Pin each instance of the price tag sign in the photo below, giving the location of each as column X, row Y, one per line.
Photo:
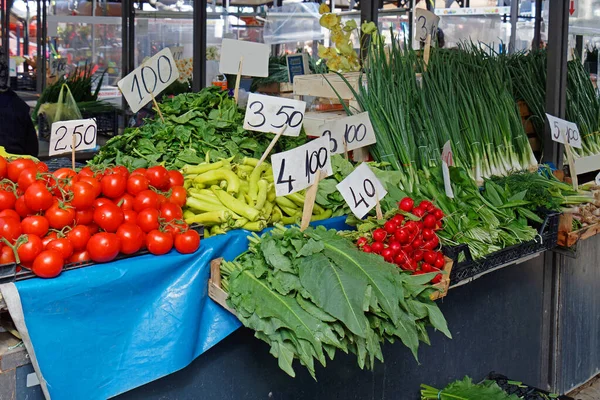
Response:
column 270, row 114
column 361, row 190
column 58, row 66
column 61, row 136
column 295, row 169
column 256, row 58
column 349, row 133
column 447, row 161
column 426, row 23
column 149, row 79
column 562, row 129
column 177, row 52
column 597, row 180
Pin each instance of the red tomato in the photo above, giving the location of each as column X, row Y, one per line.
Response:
column 21, row 208
column 3, row 167
column 10, row 228
column 175, row 229
column 60, row 216
column 130, row 216
column 42, row 167
column 7, row 199
column 94, row 228
column 48, row 238
column 38, row 197
column 161, row 199
column 62, row 246
column 145, row 199
column 7, row 256
column 27, row 177
column 15, row 168
column 108, row 217
column 79, row 237
column 84, row 217
column 113, row 185
column 170, row 212
column 131, row 237
column 121, row 170
column 80, row 257
column 86, row 171
column 29, row 250
column 178, row 195
column 175, row 178
column 136, row 184
column 94, row 182
column 100, row 201
column 139, row 171
column 36, row 225
column 158, row 177
column 48, row 264
column 147, row 219
column 103, row 247
column 64, row 173
column 187, row 242
column 83, row 195
column 10, row 214
column 125, row 202
column 158, row 242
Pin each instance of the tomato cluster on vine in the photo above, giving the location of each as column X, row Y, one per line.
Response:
column 50, row 219
column 409, row 239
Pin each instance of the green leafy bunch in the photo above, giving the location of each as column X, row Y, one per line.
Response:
column 467, row 390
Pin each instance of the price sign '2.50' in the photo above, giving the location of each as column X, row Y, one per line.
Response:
column 270, row 114
column 61, row 136
column 149, row 79
column 295, row 169
column 361, row 190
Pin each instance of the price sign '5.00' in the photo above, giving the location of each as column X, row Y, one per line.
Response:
column 295, row 169
column 61, row 136
column 349, row 133
column 149, row 79
column 270, row 114
column 562, row 129
column 361, row 190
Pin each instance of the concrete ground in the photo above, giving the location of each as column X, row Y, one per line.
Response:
column 590, row 391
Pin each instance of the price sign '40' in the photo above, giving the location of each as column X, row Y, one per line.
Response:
column 270, row 114
column 562, row 130
column 295, row 169
column 349, row 133
column 361, row 190
column 149, row 79
column 61, row 136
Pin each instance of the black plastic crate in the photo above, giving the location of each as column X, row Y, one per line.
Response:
column 61, row 162
column 468, row 268
column 523, row 391
column 107, row 123
column 26, row 82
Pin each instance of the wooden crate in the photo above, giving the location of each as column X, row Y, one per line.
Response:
column 320, row 85
column 219, row 296
column 276, row 88
column 567, row 237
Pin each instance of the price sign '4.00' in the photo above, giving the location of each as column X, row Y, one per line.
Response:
column 61, row 136
column 295, row 169
column 349, row 133
column 361, row 190
column 149, row 79
column 270, row 114
column 562, row 130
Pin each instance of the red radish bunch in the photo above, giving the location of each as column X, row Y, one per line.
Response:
column 412, row 245
column 49, row 219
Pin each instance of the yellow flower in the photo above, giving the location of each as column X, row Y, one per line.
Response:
column 324, row 9
column 368, row 28
column 326, row 52
column 345, row 48
column 350, row 25
column 334, row 63
column 328, row 21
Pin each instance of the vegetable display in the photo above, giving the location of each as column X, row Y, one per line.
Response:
column 466, row 390
column 207, row 123
column 308, row 294
column 50, row 219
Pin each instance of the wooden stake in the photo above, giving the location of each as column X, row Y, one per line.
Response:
column 236, row 92
column 427, row 50
column 571, row 165
column 157, row 108
column 378, row 207
column 73, row 152
column 345, row 150
column 270, row 147
column 309, row 201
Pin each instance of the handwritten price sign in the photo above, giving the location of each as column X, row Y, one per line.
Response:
column 349, row 133
column 61, row 136
column 361, row 190
column 562, row 130
column 295, row 169
column 427, row 23
column 270, row 114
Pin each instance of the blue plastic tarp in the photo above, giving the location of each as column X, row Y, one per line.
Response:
column 102, row 330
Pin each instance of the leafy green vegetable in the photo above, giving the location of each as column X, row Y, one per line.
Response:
column 466, row 390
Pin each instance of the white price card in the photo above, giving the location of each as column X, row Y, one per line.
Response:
column 562, row 129
column 447, row 161
column 426, row 23
column 349, row 133
column 597, row 180
column 58, row 66
column 177, row 52
column 61, row 136
column 149, row 79
column 255, row 58
column 270, row 114
column 295, row 169
column 361, row 190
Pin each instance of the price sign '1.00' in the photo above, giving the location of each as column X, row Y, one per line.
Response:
column 61, row 136
column 562, row 129
column 295, row 169
column 355, row 131
column 270, row 114
column 361, row 190
column 149, row 79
